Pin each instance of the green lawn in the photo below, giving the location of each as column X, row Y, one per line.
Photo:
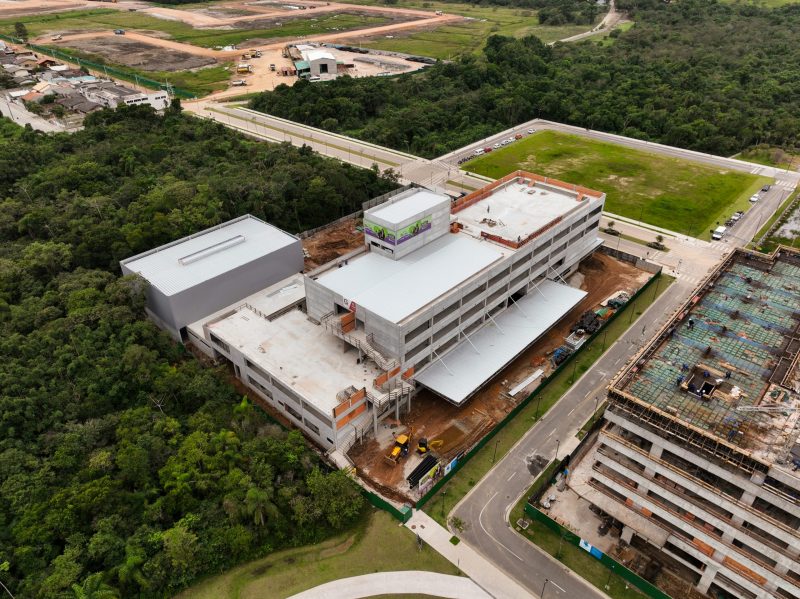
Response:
column 469, row 36
column 675, row 194
column 107, row 19
column 466, row 478
column 378, row 544
column 607, row 39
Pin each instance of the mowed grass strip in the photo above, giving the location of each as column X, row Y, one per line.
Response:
column 107, row 19
column 671, row 193
column 378, row 544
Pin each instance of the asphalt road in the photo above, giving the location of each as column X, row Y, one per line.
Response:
column 487, row 506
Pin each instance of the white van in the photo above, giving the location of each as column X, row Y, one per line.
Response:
column 479, row 151
column 719, row 233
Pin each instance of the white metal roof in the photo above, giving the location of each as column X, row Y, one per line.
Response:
column 409, row 204
column 187, row 262
column 310, row 55
column 395, row 289
column 462, row 371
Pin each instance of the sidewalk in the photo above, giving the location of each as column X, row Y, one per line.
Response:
column 389, row 583
column 484, row 573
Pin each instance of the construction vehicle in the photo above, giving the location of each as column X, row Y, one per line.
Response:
column 272, row 67
column 400, row 448
column 424, row 446
column 244, row 68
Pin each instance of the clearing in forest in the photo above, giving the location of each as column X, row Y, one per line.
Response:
column 675, row 194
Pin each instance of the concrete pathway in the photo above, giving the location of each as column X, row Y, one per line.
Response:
column 485, row 574
column 391, row 583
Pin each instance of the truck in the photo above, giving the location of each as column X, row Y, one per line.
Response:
column 243, row 67
column 718, row 233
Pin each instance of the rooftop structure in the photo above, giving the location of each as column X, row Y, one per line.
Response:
column 197, row 275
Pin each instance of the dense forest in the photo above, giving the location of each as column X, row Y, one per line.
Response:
column 696, row 74
column 126, row 466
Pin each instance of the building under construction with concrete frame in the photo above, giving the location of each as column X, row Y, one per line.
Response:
column 442, row 294
column 700, row 455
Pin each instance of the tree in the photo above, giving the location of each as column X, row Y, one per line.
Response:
column 21, row 31
column 94, row 587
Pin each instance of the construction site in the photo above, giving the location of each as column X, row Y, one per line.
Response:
column 161, row 39
column 696, row 467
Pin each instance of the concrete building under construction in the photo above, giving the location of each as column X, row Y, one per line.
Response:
column 442, row 294
column 699, row 457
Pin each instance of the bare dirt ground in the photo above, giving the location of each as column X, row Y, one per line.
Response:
column 143, row 56
column 461, row 427
column 330, row 243
column 15, row 8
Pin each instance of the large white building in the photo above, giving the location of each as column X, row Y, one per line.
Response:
column 442, row 294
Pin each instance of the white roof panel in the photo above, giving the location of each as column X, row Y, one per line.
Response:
column 462, row 371
column 187, row 262
column 395, row 289
column 407, row 207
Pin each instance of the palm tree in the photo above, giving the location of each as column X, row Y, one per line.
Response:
column 258, row 504
column 94, row 587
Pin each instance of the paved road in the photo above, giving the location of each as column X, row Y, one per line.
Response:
column 390, row 583
column 487, row 506
column 20, row 115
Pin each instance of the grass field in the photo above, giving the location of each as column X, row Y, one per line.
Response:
column 666, row 192
column 770, row 156
column 469, row 36
column 378, row 544
column 448, row 496
column 107, row 19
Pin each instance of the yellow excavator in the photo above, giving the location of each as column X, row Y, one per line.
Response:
column 400, row 448
column 424, row 446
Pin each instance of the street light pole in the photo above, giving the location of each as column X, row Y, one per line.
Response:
column 558, row 444
column 544, row 586
column 495, row 450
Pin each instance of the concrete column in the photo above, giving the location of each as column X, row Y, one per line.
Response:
column 655, row 453
column 707, row 578
column 627, row 534
column 747, row 498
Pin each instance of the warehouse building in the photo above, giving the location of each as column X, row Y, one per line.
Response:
column 699, row 457
column 315, row 62
column 195, row 276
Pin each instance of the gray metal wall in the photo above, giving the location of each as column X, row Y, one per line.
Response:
column 175, row 312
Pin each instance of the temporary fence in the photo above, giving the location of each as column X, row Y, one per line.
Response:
column 403, row 515
column 454, row 466
column 617, row 568
column 102, row 68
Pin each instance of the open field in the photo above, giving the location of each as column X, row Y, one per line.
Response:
column 469, row 36
column 451, row 493
column 771, row 157
column 666, row 192
column 378, row 544
column 267, row 29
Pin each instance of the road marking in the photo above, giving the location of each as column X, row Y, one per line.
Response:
column 510, row 477
column 551, row 433
column 488, row 534
column 572, row 410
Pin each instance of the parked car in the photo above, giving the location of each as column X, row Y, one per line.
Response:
column 518, row 136
column 496, row 146
column 718, row 233
column 119, row 32
column 55, row 38
column 238, row 82
column 735, row 216
column 754, row 198
column 479, row 151
column 530, row 131
column 766, row 187
column 487, row 149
